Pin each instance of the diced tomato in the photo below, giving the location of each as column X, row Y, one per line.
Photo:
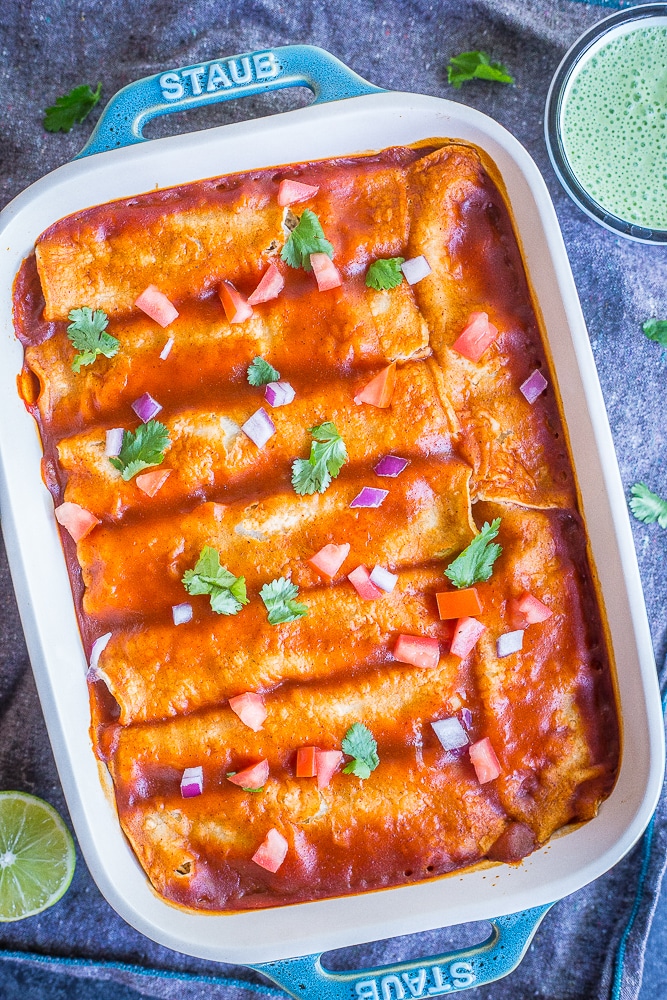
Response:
column 306, row 766
column 380, row 390
column 271, row 852
column 484, row 760
column 250, row 709
column 270, row 287
column 325, row 271
column 528, row 610
column 419, row 650
column 157, row 306
column 151, row 482
column 254, row 776
column 290, row 192
column 360, row 579
column 327, row 763
column 466, row 634
column 78, row 521
column 235, row 305
column 477, row 335
column 330, row 558
column 458, row 603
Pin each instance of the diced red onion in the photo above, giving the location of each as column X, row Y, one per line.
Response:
column 259, row 427
column 192, row 782
column 181, row 613
column 369, row 497
column 383, row 579
column 510, row 642
column 466, row 717
column 114, row 442
column 96, row 650
column 391, row 465
column 146, row 407
column 534, row 385
column 451, row 733
column 279, row 393
column 164, row 353
column 415, row 269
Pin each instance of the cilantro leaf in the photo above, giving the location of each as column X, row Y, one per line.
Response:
column 385, row 273
column 71, row 108
column 278, row 597
column 648, row 506
column 360, row 744
column 475, row 65
column 260, row 372
column 475, row 563
column 656, row 329
column 141, row 449
column 227, row 592
column 86, row 331
column 306, row 238
column 327, row 457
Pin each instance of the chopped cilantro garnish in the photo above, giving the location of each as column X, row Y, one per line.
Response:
column 306, row 238
column 360, row 744
column 278, row 597
column 141, row 449
column 86, row 331
column 70, row 108
column 327, row 457
column 385, row 273
column 475, row 65
column 255, row 791
column 227, row 592
column 475, row 563
column 656, row 329
column 648, row 506
column 260, row 372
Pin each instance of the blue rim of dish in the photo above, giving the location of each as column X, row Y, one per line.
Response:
column 552, row 119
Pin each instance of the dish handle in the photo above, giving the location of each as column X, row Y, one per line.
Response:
column 425, row 978
column 123, row 120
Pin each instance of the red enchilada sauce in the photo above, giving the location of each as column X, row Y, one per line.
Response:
column 477, row 450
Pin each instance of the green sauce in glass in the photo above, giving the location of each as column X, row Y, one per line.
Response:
column 614, row 125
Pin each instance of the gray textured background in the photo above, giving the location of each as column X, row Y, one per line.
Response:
column 49, row 47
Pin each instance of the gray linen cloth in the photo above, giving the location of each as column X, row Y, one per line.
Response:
column 591, row 945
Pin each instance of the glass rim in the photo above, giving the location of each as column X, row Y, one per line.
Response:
column 552, row 125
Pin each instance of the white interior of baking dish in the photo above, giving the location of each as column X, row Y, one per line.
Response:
column 42, row 585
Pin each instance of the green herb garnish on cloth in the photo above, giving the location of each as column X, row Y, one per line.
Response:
column 71, row 108
column 306, row 238
column 141, row 449
column 359, row 744
column 475, row 66
column 227, row 592
column 385, row 273
column 327, row 457
column 656, row 329
column 648, row 506
column 86, row 331
column 475, row 563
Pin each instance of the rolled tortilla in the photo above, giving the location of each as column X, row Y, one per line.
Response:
column 186, row 240
column 459, row 222
column 549, row 708
column 137, row 569
column 157, row 671
column 302, row 330
column 409, row 821
column 208, row 452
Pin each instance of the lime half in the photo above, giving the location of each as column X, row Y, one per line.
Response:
column 36, row 856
